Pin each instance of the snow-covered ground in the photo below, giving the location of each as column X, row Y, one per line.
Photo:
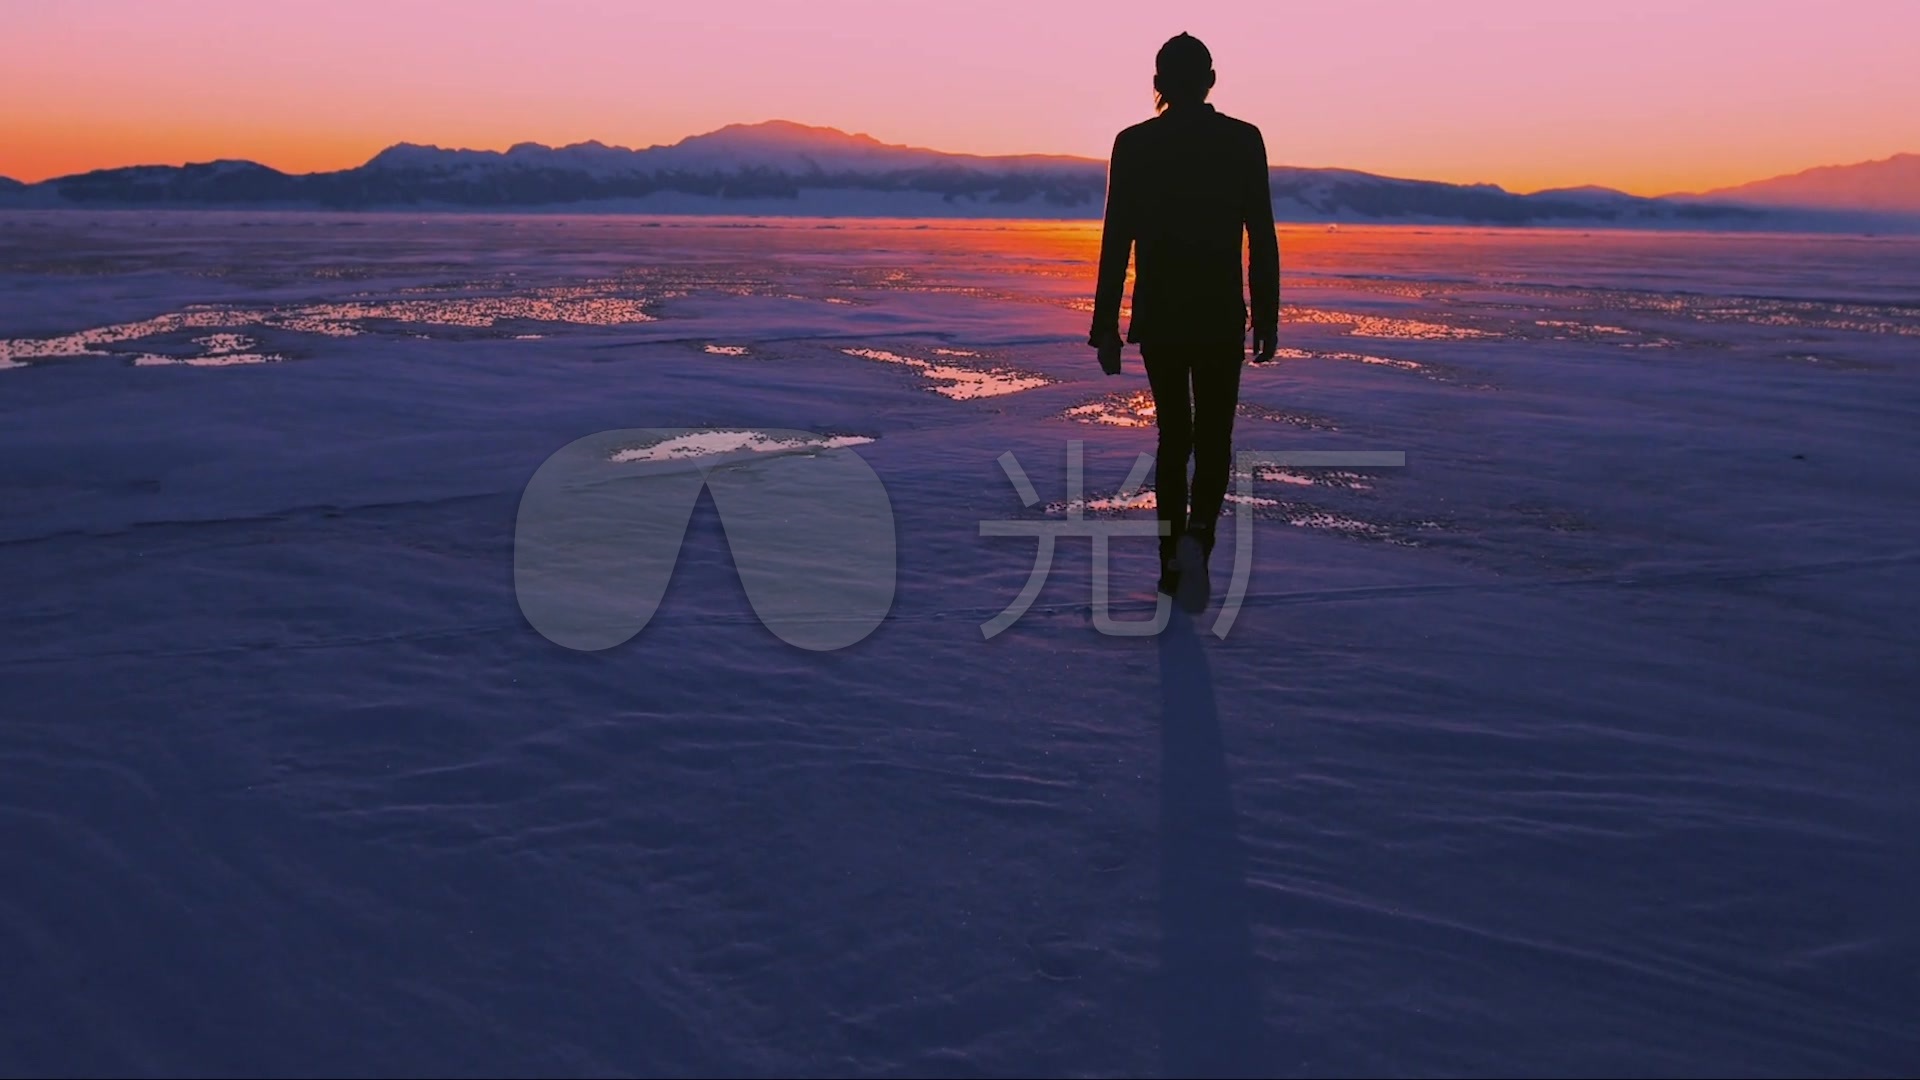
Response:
column 1584, row 743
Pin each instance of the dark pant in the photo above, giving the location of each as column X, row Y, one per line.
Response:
column 1199, row 426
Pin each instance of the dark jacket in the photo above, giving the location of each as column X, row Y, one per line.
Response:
column 1181, row 188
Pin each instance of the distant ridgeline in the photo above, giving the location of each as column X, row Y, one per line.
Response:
column 783, row 168
column 515, row 184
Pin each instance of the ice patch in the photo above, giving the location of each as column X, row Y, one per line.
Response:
column 961, row 384
column 1404, row 365
column 1350, row 357
column 1333, row 478
column 1131, row 409
column 1256, row 411
column 220, row 350
column 1295, row 514
column 1413, row 330
column 1108, row 504
column 88, row 342
column 1135, row 409
column 1382, row 326
column 1570, row 324
column 715, row 443
column 572, row 304
column 228, row 359
column 1320, row 519
column 1283, row 477
column 1846, row 316
column 216, row 344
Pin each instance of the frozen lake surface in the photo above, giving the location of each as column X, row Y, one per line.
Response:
column 1585, row 743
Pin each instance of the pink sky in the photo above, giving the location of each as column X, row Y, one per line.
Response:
column 1649, row 97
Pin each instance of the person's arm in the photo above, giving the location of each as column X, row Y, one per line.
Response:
column 1263, row 256
column 1116, row 247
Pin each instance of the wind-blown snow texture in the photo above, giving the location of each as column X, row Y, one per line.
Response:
column 1583, row 744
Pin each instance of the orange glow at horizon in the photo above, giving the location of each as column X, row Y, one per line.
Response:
column 1646, row 97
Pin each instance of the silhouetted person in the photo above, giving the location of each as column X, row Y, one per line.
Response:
column 1181, row 189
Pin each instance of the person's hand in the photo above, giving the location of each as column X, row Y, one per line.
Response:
column 1110, row 347
column 1265, row 342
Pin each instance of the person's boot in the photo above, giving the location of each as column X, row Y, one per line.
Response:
column 1192, row 590
column 1169, row 572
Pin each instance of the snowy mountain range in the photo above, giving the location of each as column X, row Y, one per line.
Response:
column 780, row 167
column 1888, row 186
